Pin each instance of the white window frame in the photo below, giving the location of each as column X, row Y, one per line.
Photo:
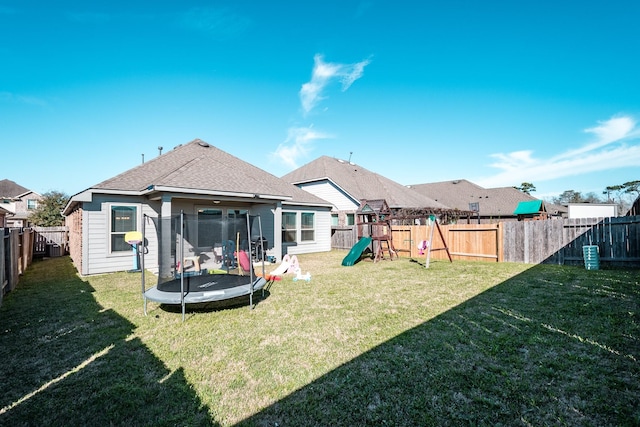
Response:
column 110, row 233
column 298, row 227
column 295, row 229
column 312, row 229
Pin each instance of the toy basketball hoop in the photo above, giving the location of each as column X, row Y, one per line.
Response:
column 133, row 237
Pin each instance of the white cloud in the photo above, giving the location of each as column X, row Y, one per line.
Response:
column 297, row 145
column 610, row 150
column 324, row 73
column 613, row 129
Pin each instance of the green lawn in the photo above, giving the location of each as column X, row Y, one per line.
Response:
column 387, row 343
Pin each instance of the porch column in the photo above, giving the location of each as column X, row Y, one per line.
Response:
column 165, row 269
column 277, row 231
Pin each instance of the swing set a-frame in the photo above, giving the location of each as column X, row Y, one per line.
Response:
column 429, row 244
column 426, row 246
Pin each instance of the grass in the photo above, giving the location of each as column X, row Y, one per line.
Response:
column 387, row 343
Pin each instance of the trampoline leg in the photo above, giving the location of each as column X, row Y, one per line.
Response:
column 145, row 305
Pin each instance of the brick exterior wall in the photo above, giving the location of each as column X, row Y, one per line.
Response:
column 73, row 221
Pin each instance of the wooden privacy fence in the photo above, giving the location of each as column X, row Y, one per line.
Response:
column 465, row 241
column 15, row 256
column 557, row 241
column 50, row 241
column 562, row 241
column 343, row 237
column 19, row 246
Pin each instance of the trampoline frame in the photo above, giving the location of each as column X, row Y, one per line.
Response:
column 212, row 289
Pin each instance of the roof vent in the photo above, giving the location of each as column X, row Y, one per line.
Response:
column 203, row 144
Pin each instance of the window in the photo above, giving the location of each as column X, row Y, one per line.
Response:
column 307, row 232
column 32, row 204
column 123, row 219
column 288, row 227
column 294, row 230
column 334, row 220
column 351, row 219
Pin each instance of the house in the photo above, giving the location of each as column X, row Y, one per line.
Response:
column 203, row 181
column 531, row 210
column 3, row 216
column 592, row 210
column 489, row 204
column 18, row 202
column 345, row 184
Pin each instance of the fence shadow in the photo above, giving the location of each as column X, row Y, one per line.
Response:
column 55, row 340
column 552, row 346
column 562, row 241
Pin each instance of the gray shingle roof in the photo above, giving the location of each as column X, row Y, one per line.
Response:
column 198, row 165
column 10, row 189
column 361, row 183
column 501, row 201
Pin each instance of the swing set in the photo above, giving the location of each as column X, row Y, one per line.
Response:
column 427, row 245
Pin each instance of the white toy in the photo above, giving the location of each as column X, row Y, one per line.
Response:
column 300, row 276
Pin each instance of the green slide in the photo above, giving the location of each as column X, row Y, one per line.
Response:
column 356, row 251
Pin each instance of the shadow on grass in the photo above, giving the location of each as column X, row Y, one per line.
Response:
column 552, row 346
column 213, row 306
column 66, row 361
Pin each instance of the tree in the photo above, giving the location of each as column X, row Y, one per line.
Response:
column 49, row 210
column 568, row 196
column 526, row 187
column 615, row 190
column 620, row 193
column 632, row 187
column 591, row 197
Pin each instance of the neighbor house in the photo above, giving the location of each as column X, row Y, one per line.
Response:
column 592, row 210
column 345, row 184
column 198, row 179
column 3, row 216
column 489, row 204
column 18, row 202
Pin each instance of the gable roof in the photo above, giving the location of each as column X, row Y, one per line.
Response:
column 377, row 207
column 360, row 183
column 198, row 167
column 11, row 190
column 459, row 193
column 529, row 207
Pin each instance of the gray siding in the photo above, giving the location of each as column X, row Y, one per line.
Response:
column 96, row 229
column 98, row 260
column 322, row 242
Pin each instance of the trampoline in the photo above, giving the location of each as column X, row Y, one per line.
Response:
column 204, row 258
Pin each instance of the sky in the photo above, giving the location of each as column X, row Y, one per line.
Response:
column 495, row 92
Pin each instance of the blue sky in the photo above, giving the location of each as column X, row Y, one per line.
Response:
column 496, row 92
